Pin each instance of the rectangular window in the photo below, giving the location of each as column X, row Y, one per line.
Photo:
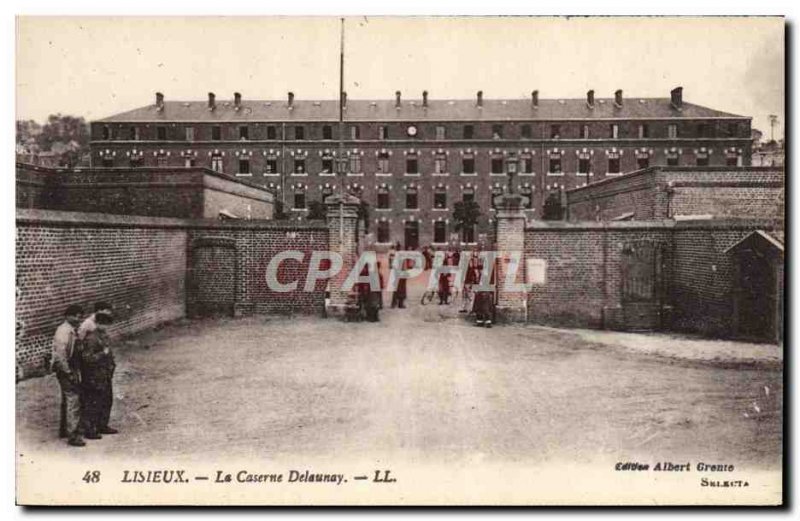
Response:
column 411, row 198
column 271, row 166
column 672, row 131
column 613, row 165
column 244, row 166
column 355, row 132
column 271, row 132
column 497, row 165
column 383, row 231
column 497, row 131
column 583, row 165
column 134, row 133
column 468, row 165
column 299, row 200
column 327, row 132
column 216, row 163
column 189, row 133
column 440, row 164
column 732, row 161
column 440, row 132
column 383, row 198
column 440, row 198
column 702, row 160
column 189, row 162
column 469, row 131
column 383, row 162
column 161, row 160
column 355, row 164
column 106, row 133
column 244, row 132
column 299, row 132
column 412, row 166
column 300, row 165
column 614, row 131
column 585, row 132
column 555, row 165
column 468, row 194
column 642, row 162
column 672, row 159
column 327, row 164
column 733, row 129
column 526, row 132
column 555, row 131
column 161, row 133
column 702, row 130
column 440, row 232
column 383, row 132
column 526, row 165
column 216, row 133
column 108, row 162
column 644, row 131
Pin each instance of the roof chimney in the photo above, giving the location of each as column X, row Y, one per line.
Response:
column 159, row 101
column 480, row 98
column 397, row 99
column 618, row 98
column 590, row 99
column 535, row 99
column 212, row 104
column 425, row 98
column 291, row 99
column 677, row 98
column 237, row 101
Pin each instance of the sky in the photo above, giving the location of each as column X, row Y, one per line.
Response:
column 95, row 66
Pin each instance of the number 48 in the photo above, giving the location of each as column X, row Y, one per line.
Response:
column 92, row 476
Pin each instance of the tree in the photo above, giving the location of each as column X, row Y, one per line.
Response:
column 316, row 210
column 363, row 214
column 279, row 214
column 465, row 216
column 553, row 209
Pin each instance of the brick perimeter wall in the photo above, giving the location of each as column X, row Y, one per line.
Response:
column 664, row 192
column 584, row 261
column 251, row 246
column 139, row 269
column 583, row 281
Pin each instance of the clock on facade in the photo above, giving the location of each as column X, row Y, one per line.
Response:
column 411, row 130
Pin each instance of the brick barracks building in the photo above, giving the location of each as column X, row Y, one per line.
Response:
column 411, row 160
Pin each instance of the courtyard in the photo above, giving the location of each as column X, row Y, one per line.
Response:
column 425, row 384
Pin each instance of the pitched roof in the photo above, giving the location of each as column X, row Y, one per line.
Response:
column 412, row 110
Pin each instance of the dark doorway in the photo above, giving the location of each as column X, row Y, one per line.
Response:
column 758, row 287
column 412, row 235
column 756, row 296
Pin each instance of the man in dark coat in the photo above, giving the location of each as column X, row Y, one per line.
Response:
column 97, row 365
column 484, row 300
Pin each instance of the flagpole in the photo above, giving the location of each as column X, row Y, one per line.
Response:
column 341, row 135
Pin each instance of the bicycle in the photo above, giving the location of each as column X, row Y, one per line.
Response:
column 430, row 294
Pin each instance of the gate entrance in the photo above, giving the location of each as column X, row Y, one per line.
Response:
column 642, row 278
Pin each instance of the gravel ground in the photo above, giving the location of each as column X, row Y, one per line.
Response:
column 425, row 385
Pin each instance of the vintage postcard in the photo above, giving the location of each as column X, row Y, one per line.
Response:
column 400, row 260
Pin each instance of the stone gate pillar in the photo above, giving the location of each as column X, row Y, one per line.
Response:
column 512, row 302
column 342, row 220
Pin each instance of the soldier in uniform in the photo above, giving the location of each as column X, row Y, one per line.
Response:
column 97, row 371
column 65, row 363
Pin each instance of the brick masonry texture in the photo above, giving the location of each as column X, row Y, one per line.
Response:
column 584, row 268
column 140, row 269
column 666, row 192
column 161, row 192
column 151, row 270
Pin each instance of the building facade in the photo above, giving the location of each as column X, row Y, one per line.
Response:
column 412, row 160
